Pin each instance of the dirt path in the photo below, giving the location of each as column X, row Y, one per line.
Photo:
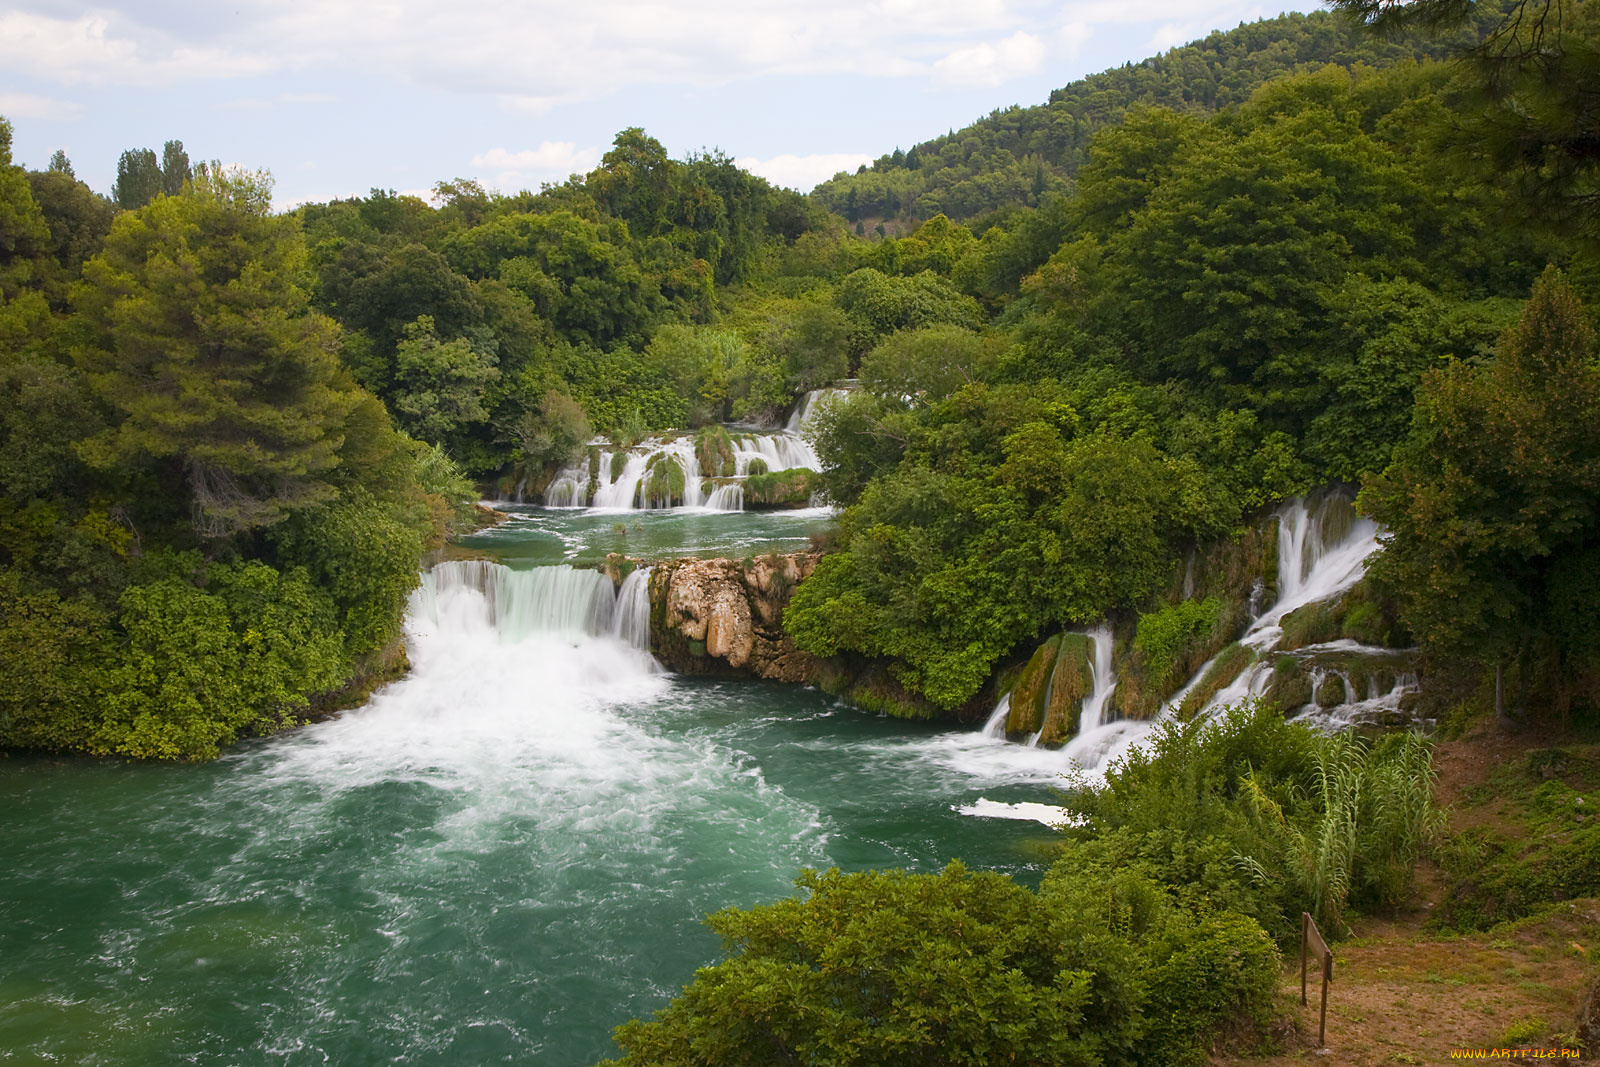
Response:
column 1404, row 995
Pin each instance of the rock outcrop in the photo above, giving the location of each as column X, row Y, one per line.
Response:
column 713, row 616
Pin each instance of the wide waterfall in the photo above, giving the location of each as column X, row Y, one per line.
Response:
column 620, row 479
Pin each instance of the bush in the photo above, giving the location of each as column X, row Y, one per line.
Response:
column 964, row 968
column 1166, row 637
column 1307, row 821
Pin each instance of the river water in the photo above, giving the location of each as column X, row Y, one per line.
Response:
column 497, row 860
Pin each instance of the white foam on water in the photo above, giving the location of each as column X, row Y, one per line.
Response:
column 1048, row 814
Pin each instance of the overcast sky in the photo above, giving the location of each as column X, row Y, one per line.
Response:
column 336, row 97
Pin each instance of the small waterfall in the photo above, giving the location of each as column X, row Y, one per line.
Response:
column 631, row 622
column 629, row 488
column 567, row 490
column 618, row 494
column 1323, row 547
column 464, row 595
column 779, row 451
column 996, row 726
column 1093, row 715
column 806, row 410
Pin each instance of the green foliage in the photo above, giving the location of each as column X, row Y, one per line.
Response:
column 1166, row 636
column 877, row 305
column 1017, row 157
column 924, row 364
column 894, row 968
column 365, row 553
column 1548, row 854
column 1491, row 500
column 1267, row 817
column 809, row 340
column 200, row 340
column 779, row 489
column 663, row 483
column 999, row 521
column 553, row 434
column 440, row 385
column 200, row 668
column 139, row 179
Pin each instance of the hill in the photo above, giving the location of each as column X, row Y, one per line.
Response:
column 1015, row 156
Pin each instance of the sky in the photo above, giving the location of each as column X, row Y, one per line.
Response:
column 336, row 97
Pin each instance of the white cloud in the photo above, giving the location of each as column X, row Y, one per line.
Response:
column 534, row 55
column 1073, row 36
column 991, row 64
column 551, row 161
column 527, row 105
column 1171, row 35
column 257, row 103
column 29, row 106
column 100, row 49
column 802, row 172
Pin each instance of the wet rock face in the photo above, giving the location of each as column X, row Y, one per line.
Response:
column 711, row 616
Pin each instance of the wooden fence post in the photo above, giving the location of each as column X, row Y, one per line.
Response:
column 1311, row 941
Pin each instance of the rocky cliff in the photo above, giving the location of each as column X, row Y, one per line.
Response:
column 715, row 616
column 725, row 617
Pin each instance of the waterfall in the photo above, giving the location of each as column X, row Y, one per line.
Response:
column 1093, row 715
column 631, row 622
column 1323, row 548
column 806, row 410
column 619, row 493
column 629, row 489
column 515, row 604
column 996, row 726
column 1322, row 552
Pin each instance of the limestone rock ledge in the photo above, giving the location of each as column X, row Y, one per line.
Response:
column 716, row 616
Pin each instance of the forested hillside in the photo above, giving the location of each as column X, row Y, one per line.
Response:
column 1018, row 156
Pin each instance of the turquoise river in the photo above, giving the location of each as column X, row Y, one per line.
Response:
column 497, row 860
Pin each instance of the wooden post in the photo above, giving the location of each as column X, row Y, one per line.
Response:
column 1311, row 941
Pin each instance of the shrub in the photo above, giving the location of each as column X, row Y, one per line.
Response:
column 964, row 968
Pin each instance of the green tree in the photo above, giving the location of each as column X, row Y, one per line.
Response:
column 60, row 164
column 809, row 340
column 201, row 341
column 1492, row 501
column 175, row 168
column 24, row 235
column 139, row 179
column 439, row 385
column 924, row 364
column 889, row 968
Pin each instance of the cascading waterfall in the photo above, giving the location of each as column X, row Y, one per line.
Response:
column 629, row 488
column 996, row 726
column 806, row 410
column 1323, row 548
column 515, row 604
column 631, row 622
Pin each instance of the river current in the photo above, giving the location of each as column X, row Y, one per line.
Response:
column 497, row 860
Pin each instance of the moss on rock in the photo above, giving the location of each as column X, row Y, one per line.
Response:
column 780, row 489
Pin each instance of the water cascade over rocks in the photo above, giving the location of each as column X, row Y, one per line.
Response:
column 1322, row 551
column 668, row 472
